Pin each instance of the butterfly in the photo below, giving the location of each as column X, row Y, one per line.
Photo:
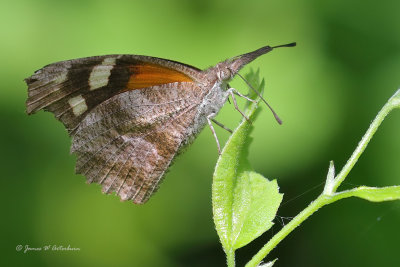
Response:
column 129, row 115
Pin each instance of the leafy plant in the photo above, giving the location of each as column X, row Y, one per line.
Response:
column 245, row 203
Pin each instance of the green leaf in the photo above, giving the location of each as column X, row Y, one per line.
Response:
column 256, row 201
column 244, row 202
column 374, row 194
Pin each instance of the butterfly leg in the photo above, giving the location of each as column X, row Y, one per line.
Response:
column 222, row 126
column 209, row 119
column 227, row 88
column 231, row 92
column 241, row 95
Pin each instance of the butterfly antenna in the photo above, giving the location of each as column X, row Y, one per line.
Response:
column 259, row 95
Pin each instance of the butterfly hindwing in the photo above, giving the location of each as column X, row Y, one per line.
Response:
column 128, row 141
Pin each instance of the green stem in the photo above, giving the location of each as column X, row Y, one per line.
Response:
column 328, row 195
column 230, row 257
column 389, row 106
column 321, row 201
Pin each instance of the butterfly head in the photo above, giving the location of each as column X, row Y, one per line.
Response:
column 223, row 72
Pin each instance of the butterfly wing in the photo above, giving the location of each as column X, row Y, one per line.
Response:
column 128, row 142
column 71, row 89
column 128, row 116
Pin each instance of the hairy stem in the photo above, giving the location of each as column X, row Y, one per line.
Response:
column 321, row 201
column 230, row 257
column 389, row 106
column 329, row 196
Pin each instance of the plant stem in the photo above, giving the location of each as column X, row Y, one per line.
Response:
column 389, row 106
column 230, row 257
column 328, row 195
column 321, row 201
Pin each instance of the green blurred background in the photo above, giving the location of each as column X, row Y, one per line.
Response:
column 326, row 90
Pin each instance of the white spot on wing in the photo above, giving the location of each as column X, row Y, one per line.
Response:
column 62, row 77
column 100, row 73
column 109, row 61
column 78, row 105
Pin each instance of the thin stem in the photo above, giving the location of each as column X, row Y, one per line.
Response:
column 230, row 257
column 389, row 106
column 321, row 201
column 328, row 197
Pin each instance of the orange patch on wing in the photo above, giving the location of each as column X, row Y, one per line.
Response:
column 146, row 75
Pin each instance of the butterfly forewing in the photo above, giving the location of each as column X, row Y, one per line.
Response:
column 71, row 89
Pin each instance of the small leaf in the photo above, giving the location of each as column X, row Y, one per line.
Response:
column 268, row 264
column 330, row 179
column 244, row 202
column 256, row 201
column 374, row 194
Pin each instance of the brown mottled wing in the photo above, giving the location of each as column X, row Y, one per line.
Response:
column 127, row 142
column 71, row 89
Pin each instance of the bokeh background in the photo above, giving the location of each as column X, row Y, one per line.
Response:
column 326, row 90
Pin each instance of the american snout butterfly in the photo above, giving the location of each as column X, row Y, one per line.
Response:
column 130, row 115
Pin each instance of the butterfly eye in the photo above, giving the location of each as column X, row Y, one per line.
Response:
column 224, row 74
